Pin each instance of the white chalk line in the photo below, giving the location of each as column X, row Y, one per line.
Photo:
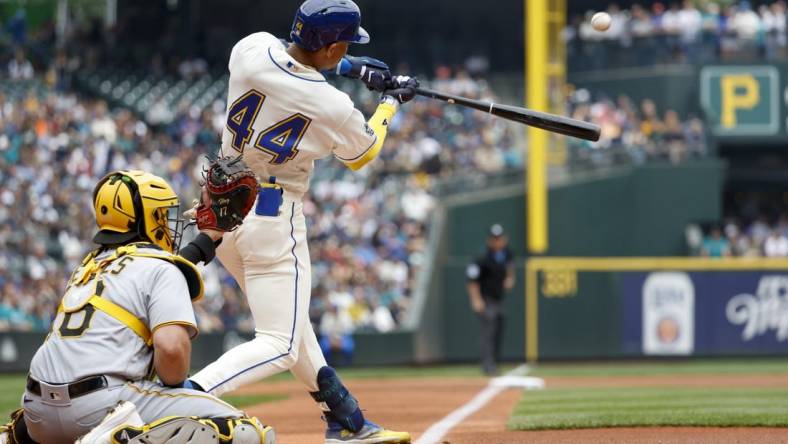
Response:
column 439, row 429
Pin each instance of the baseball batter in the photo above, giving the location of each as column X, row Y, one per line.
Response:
column 283, row 115
column 127, row 314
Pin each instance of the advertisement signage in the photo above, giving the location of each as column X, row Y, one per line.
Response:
column 705, row 313
column 668, row 314
column 742, row 100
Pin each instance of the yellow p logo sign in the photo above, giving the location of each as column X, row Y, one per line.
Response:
column 733, row 100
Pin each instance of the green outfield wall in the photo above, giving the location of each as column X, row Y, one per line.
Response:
column 630, row 211
column 633, row 211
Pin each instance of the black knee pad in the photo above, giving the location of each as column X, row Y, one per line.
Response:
column 342, row 405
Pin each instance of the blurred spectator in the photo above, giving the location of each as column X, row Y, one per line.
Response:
column 17, row 27
column 192, row 68
column 382, row 319
column 640, row 24
column 336, row 339
column 746, row 23
column 20, row 68
column 635, row 134
column 715, row 245
column 763, row 236
column 776, row 245
column 759, row 229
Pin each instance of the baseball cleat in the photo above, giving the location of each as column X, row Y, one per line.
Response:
column 371, row 433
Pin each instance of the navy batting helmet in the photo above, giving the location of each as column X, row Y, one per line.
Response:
column 321, row 22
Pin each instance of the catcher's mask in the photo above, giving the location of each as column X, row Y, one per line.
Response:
column 137, row 205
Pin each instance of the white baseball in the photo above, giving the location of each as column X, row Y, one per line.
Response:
column 601, row 21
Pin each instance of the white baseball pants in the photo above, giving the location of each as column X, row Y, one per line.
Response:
column 269, row 258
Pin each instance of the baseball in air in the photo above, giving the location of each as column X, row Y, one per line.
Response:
column 601, row 21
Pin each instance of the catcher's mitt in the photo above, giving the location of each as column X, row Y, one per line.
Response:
column 228, row 194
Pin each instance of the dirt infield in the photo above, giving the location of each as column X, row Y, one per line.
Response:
column 415, row 404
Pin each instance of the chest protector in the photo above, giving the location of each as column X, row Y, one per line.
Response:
column 80, row 293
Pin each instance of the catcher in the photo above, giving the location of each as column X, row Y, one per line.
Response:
column 127, row 315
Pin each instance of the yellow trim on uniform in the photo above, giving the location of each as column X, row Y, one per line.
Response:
column 657, row 263
column 207, row 396
column 123, row 316
column 379, row 123
column 255, row 422
column 188, row 269
column 531, row 313
column 188, row 324
column 93, row 269
column 113, row 310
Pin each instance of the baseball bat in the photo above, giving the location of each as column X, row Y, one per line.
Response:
column 545, row 121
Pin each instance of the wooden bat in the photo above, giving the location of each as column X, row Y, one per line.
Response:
column 545, row 121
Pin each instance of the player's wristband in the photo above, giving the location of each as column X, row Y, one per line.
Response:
column 391, row 100
column 201, row 249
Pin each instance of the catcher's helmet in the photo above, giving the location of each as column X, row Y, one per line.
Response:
column 135, row 205
column 321, row 22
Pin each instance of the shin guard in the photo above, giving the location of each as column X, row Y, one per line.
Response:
column 343, row 407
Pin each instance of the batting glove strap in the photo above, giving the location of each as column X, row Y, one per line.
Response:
column 402, row 88
column 373, row 72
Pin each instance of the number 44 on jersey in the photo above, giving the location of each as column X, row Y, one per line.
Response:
column 280, row 140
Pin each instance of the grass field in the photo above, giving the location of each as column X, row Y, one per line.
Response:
column 638, row 368
column 625, row 407
column 570, row 408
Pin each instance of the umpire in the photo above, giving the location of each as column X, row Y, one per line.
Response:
column 489, row 276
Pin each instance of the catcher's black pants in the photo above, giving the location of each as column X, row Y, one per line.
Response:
column 491, row 320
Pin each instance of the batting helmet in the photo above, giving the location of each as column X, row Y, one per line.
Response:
column 321, row 22
column 135, row 205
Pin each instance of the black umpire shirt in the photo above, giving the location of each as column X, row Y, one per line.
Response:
column 489, row 270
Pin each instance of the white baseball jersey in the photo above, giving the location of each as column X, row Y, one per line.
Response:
column 90, row 342
column 283, row 115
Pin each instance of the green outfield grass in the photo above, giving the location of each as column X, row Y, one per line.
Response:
column 629, row 407
column 623, row 407
column 705, row 366
column 11, row 387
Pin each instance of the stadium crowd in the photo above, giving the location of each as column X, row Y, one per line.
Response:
column 367, row 230
column 762, row 237
column 636, row 133
column 756, row 225
column 692, row 31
